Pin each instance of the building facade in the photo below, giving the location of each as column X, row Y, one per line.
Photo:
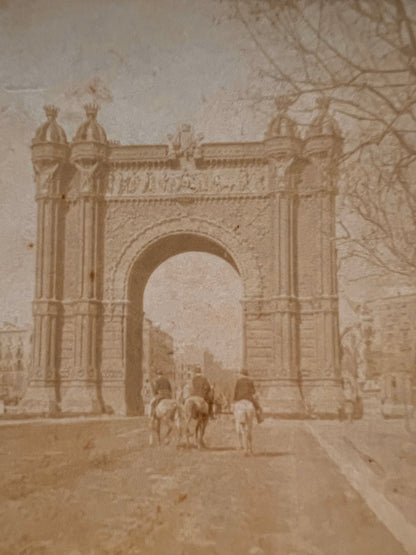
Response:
column 109, row 214
column 392, row 351
column 157, row 354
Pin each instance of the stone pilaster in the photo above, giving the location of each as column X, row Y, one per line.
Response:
column 317, row 287
column 81, row 391
column 49, row 161
column 282, row 148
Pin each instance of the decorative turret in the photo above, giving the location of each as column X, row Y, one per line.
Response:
column 90, row 130
column 316, row 265
column 89, row 150
column 281, row 138
column 324, row 134
column 50, row 131
column 49, row 143
column 282, row 125
column 90, row 142
column 49, row 155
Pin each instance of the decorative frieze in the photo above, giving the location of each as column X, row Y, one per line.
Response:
column 131, row 180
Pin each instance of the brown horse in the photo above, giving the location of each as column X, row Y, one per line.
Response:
column 195, row 408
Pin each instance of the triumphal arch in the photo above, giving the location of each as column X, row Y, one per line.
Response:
column 109, row 214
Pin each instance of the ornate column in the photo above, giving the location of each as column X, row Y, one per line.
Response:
column 49, row 156
column 282, row 147
column 317, row 282
column 80, row 392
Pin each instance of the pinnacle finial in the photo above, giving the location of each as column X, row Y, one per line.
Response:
column 322, row 103
column 283, row 102
column 91, row 110
column 51, row 111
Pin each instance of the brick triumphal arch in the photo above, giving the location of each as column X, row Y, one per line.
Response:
column 109, row 214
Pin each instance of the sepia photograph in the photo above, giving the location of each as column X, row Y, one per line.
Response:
column 208, row 277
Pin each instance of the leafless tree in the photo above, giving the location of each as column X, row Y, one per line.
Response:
column 361, row 53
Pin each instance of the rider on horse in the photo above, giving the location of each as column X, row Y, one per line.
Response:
column 162, row 389
column 244, row 389
column 202, row 388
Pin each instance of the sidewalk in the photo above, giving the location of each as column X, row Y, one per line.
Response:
column 379, row 459
column 13, row 421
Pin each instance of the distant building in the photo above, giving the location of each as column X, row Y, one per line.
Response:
column 222, row 378
column 392, row 350
column 187, row 358
column 15, row 359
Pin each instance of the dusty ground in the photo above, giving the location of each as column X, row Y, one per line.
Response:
column 95, row 487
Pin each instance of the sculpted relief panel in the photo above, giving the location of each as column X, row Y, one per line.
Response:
column 233, row 227
column 130, row 180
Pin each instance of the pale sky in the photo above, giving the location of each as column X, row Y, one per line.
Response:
column 152, row 65
column 196, row 298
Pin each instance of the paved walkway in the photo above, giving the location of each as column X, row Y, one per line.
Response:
column 378, row 458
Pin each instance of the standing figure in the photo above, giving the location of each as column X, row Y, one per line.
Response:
column 162, row 389
column 244, row 389
column 350, row 395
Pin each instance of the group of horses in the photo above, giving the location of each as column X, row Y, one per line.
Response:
column 189, row 417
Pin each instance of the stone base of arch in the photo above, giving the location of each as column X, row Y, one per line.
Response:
column 40, row 399
column 281, row 397
column 80, row 397
column 114, row 400
column 320, row 398
column 323, row 397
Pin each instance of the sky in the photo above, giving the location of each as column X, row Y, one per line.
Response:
column 196, row 298
column 150, row 65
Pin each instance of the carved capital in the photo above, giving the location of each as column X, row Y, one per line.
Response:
column 324, row 304
column 278, row 171
column 89, row 175
column 47, row 177
column 285, row 305
column 86, row 308
column 46, row 308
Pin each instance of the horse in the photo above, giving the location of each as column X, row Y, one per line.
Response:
column 195, row 408
column 244, row 414
column 167, row 412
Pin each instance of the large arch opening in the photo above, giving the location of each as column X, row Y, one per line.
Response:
column 171, row 249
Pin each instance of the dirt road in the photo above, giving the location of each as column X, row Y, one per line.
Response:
column 95, row 487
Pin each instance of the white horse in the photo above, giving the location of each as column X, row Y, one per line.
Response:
column 167, row 413
column 244, row 414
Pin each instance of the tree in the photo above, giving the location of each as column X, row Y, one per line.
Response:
column 362, row 54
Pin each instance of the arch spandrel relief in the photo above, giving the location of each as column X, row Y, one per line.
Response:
column 244, row 257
